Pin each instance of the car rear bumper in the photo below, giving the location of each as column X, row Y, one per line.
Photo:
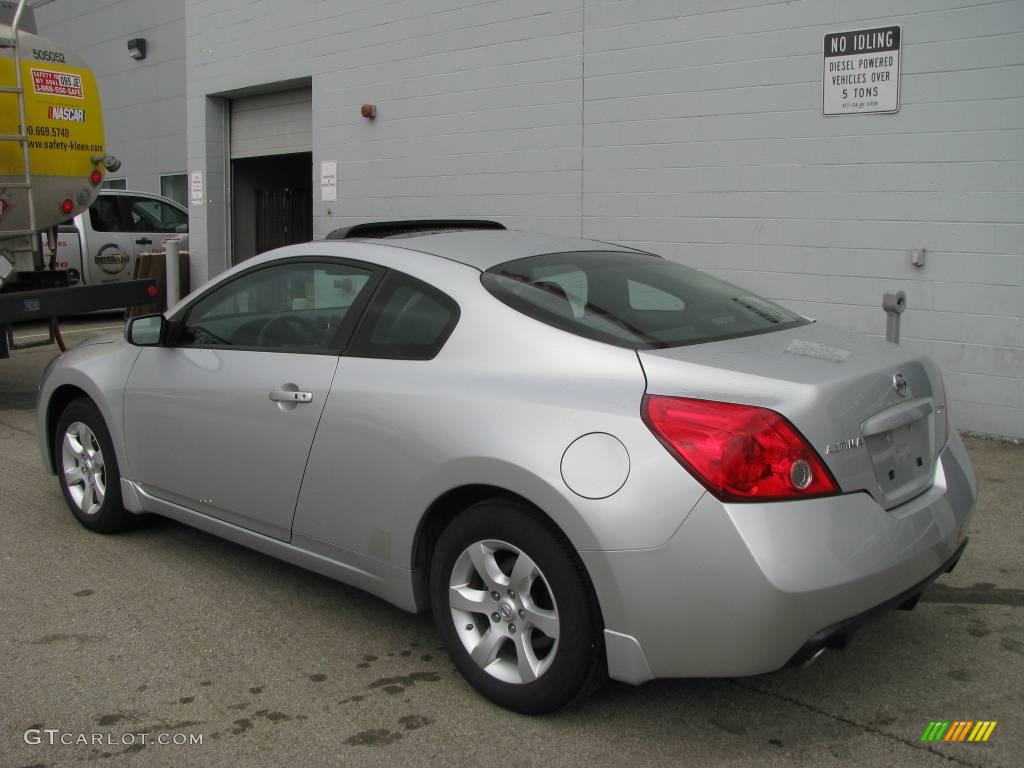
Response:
column 838, row 635
column 742, row 589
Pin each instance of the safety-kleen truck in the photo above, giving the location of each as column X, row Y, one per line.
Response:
column 52, row 163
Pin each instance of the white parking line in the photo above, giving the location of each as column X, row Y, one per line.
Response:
column 67, row 333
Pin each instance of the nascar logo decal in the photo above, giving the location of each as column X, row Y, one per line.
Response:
column 70, row 114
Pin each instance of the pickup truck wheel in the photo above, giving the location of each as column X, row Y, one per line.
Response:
column 87, row 469
column 516, row 609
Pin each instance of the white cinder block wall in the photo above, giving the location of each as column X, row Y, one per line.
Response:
column 705, row 141
column 143, row 101
column 691, row 128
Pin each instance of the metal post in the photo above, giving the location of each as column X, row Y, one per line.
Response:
column 172, row 274
column 893, row 302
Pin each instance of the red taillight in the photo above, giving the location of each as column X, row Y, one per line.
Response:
column 67, row 206
column 151, row 291
column 95, row 178
column 738, row 452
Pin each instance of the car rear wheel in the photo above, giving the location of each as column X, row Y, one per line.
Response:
column 516, row 609
column 87, row 469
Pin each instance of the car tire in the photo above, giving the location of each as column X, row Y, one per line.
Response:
column 504, row 647
column 87, row 468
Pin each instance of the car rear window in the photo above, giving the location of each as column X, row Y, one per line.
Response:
column 633, row 300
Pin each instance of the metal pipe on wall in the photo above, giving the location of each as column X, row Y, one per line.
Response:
column 893, row 302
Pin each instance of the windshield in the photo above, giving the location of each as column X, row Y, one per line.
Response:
column 633, row 300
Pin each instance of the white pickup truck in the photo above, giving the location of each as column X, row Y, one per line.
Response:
column 101, row 244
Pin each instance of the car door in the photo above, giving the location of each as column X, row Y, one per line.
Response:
column 153, row 222
column 221, row 419
column 375, row 444
column 111, row 248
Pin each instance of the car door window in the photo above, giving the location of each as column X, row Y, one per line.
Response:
column 292, row 307
column 407, row 320
column 105, row 215
column 148, row 215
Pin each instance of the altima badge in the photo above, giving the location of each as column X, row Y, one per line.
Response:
column 841, row 446
column 899, row 383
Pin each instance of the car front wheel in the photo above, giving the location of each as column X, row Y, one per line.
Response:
column 516, row 609
column 87, row 468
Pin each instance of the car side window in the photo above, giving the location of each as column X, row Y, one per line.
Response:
column 291, row 307
column 148, row 215
column 105, row 215
column 407, row 320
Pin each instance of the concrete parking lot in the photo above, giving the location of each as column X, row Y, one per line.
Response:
column 168, row 630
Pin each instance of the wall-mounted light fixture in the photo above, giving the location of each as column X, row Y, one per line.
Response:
column 137, row 48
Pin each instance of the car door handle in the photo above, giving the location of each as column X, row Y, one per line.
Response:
column 143, row 241
column 290, row 396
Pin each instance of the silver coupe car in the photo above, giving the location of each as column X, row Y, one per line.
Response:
column 585, row 460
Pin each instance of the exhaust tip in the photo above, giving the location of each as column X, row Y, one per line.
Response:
column 814, row 657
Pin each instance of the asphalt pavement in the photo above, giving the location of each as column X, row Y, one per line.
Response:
column 167, row 630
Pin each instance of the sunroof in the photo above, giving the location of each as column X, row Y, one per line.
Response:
column 411, row 228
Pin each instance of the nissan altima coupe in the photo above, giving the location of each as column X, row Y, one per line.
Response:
column 585, row 460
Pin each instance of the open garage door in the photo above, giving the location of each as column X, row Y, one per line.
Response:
column 277, row 123
column 272, row 171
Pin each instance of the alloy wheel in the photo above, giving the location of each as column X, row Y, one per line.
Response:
column 504, row 611
column 84, row 471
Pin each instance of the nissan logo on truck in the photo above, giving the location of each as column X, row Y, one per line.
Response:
column 111, row 259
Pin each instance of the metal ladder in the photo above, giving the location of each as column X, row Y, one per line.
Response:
column 22, row 137
column 7, row 342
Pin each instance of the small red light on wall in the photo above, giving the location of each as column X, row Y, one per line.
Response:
column 369, row 111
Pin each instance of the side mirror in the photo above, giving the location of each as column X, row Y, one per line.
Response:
column 146, row 330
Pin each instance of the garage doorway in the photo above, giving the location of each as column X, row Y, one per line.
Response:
column 272, row 203
column 271, row 149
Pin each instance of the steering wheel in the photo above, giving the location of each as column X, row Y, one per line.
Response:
column 201, row 336
column 287, row 330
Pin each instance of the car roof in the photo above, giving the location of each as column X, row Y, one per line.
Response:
column 477, row 249
column 135, row 193
column 483, row 249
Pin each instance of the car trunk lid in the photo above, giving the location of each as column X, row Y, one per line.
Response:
column 873, row 410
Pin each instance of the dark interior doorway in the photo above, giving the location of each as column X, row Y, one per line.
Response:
column 272, row 203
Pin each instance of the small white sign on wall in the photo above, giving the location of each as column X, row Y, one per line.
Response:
column 862, row 71
column 329, row 180
column 196, row 187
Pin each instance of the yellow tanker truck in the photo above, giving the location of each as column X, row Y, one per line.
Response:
column 52, row 163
